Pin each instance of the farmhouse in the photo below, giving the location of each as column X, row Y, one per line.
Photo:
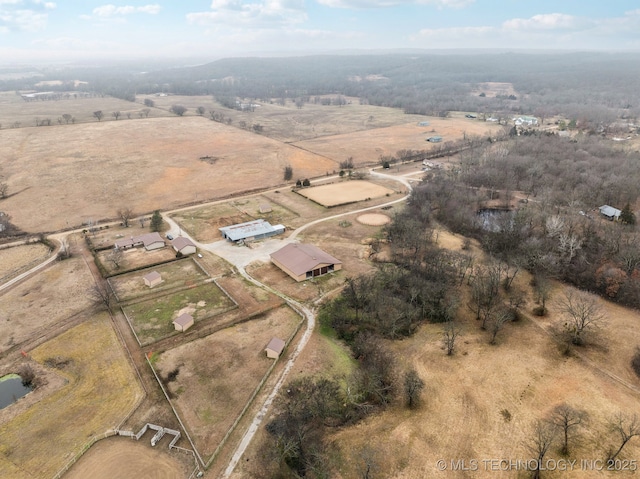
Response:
column 150, row 241
column 152, row 279
column 183, row 246
column 251, row 230
column 274, row 348
column 434, row 139
column 526, row 121
column 610, row 212
column 304, row 261
column 183, row 322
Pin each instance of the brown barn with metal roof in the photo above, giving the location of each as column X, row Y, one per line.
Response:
column 304, row 261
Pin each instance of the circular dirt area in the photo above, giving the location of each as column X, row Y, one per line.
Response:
column 373, row 219
column 120, row 458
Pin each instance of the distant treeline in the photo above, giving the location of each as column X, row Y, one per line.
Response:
column 574, row 84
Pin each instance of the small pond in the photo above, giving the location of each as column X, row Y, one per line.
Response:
column 11, row 389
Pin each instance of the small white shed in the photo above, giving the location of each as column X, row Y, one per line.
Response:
column 152, row 279
column 274, row 348
column 183, row 322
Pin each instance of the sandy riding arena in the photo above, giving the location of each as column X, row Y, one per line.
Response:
column 344, row 192
column 373, row 219
column 122, row 457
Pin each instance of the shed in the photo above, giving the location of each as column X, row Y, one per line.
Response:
column 434, row 139
column 152, row 279
column 251, row 230
column 610, row 212
column 274, row 348
column 265, row 208
column 183, row 245
column 183, row 322
column 304, row 261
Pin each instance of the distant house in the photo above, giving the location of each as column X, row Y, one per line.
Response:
column 152, row 279
column 526, row 121
column 434, row 139
column 251, row 230
column 274, row 348
column 150, row 241
column 304, row 261
column 610, row 212
column 183, row 322
column 183, row 245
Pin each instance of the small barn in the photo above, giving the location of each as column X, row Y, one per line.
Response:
column 274, row 348
column 304, row 261
column 183, row 322
column 610, row 212
column 251, row 230
column 152, row 279
column 183, row 246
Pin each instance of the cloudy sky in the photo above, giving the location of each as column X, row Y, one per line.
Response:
column 62, row 30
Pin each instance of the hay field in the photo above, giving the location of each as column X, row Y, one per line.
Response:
column 217, row 374
column 101, row 388
column 344, row 192
column 61, row 175
column 367, row 146
column 17, row 259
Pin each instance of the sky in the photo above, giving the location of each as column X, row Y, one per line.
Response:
column 79, row 30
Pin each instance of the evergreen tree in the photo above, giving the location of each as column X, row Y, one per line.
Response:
column 156, row 221
column 627, row 216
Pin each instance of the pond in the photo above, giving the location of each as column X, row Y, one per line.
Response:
column 11, row 389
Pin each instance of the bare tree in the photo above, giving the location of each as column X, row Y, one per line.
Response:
column 4, row 188
column 497, row 321
column 626, row 428
column 67, row 118
column 149, row 102
column 145, row 112
column 542, row 289
column 413, row 386
column 583, row 314
column 178, row 109
column 115, row 256
column 566, row 418
column 98, row 114
column 540, row 442
column 116, row 114
column 449, row 336
column 288, row 173
column 101, row 294
column 125, row 215
column 200, row 110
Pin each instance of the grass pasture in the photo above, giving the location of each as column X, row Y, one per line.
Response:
column 152, row 319
column 134, row 258
column 344, row 192
column 18, row 259
column 100, row 389
column 183, row 273
column 217, row 374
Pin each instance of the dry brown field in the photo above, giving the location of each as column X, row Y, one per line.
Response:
column 42, row 302
column 217, row 374
column 14, row 109
column 60, row 176
column 16, row 259
column 344, row 192
column 92, row 388
column 134, row 258
column 491, row 89
column 120, row 458
column 367, row 146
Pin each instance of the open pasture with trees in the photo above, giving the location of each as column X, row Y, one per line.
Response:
column 345, row 192
column 211, row 379
column 152, row 319
column 91, row 170
column 99, row 390
column 178, row 274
